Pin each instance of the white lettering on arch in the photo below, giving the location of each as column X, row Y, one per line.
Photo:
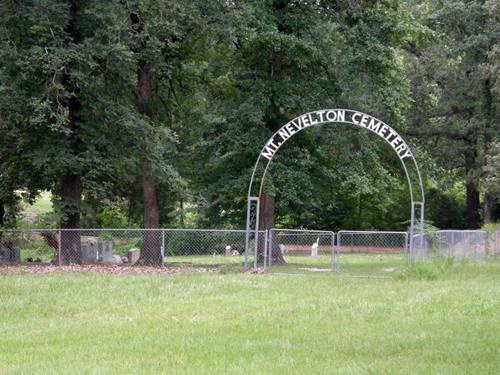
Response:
column 360, row 119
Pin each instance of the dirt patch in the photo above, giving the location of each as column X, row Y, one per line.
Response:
column 257, row 271
column 103, row 269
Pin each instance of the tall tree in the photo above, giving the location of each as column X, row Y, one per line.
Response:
column 167, row 42
column 60, row 61
column 289, row 57
column 455, row 83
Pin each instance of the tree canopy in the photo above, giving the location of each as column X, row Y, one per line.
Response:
column 152, row 113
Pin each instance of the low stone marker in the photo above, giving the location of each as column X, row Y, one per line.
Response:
column 282, row 249
column 89, row 253
column 133, row 256
column 314, row 248
column 10, row 256
column 105, row 249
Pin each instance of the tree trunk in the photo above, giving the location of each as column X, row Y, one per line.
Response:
column 151, row 253
column 266, row 221
column 151, row 248
column 2, row 215
column 70, row 186
column 71, row 191
column 488, row 208
column 471, row 186
column 2, row 221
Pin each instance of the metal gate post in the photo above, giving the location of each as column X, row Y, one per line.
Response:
column 249, row 227
column 338, row 245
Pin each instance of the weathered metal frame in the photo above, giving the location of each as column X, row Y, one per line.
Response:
column 256, row 197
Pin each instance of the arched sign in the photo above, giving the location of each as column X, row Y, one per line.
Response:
column 334, row 116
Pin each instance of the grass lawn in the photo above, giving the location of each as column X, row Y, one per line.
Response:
column 429, row 319
column 42, row 205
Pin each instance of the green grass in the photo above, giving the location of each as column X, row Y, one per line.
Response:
column 40, row 214
column 278, row 323
column 42, row 205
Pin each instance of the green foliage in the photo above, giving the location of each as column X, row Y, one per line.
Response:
column 112, row 218
column 226, row 76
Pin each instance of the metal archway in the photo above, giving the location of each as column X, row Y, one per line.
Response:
column 333, row 116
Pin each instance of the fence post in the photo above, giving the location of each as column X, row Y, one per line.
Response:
column 338, row 243
column 59, row 248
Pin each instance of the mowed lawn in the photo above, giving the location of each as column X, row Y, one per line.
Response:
column 432, row 319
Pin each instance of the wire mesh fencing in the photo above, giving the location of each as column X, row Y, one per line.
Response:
column 112, row 246
column 418, row 246
column 293, row 248
column 146, row 247
column 29, row 246
column 307, row 249
column 212, row 247
column 462, row 244
column 372, row 242
column 495, row 242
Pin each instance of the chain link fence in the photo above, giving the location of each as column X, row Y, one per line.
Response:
column 462, row 244
column 495, row 242
column 372, row 242
column 304, row 248
column 30, row 246
column 292, row 248
column 148, row 247
column 419, row 247
column 210, row 247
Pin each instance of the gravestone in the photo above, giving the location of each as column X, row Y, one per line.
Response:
column 314, row 248
column 89, row 253
column 105, row 249
column 282, row 248
column 10, row 256
column 133, row 256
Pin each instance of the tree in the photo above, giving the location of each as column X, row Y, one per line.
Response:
column 167, row 51
column 289, row 57
column 61, row 69
column 455, row 84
